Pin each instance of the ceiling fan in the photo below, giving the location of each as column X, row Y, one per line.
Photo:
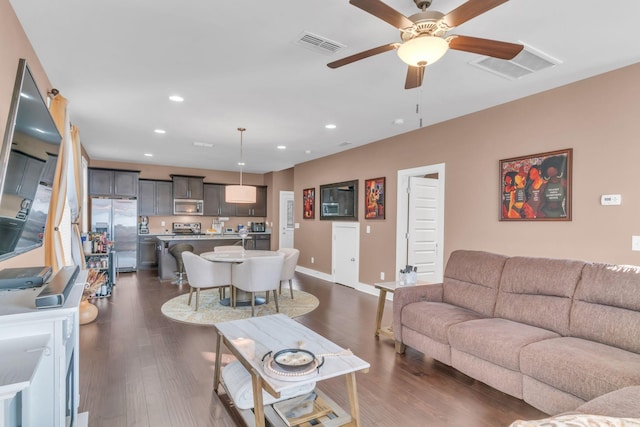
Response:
column 424, row 36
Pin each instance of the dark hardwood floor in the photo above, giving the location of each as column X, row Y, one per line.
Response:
column 138, row 368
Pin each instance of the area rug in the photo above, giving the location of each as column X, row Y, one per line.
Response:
column 210, row 310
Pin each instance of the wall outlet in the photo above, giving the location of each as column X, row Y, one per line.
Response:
column 162, row 223
column 382, row 275
column 368, row 229
column 635, row 243
column 312, row 260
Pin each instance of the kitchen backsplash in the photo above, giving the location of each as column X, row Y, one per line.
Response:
column 156, row 227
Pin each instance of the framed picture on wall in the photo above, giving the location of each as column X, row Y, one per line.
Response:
column 536, row 187
column 309, row 203
column 374, row 198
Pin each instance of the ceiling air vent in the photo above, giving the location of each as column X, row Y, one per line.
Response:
column 526, row 62
column 318, row 43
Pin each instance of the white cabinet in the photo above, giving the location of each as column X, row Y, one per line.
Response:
column 39, row 386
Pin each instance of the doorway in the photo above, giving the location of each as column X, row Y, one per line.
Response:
column 345, row 252
column 420, row 224
column 286, row 221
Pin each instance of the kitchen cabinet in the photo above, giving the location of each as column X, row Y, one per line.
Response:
column 155, row 197
column 214, row 201
column 188, row 187
column 23, row 175
column 113, row 183
column 147, row 256
column 259, row 208
column 261, row 242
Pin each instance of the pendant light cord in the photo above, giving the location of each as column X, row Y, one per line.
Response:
column 241, row 153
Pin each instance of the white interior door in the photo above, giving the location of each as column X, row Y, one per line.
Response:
column 345, row 252
column 422, row 247
column 286, row 218
column 420, row 221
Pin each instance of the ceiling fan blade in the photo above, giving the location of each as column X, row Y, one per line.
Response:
column 469, row 10
column 384, row 12
column 415, row 75
column 494, row 48
column 363, row 55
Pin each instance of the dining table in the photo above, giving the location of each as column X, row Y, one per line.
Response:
column 242, row 298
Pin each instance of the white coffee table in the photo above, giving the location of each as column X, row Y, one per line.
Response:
column 278, row 332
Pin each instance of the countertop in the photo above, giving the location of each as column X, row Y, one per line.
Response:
column 225, row 236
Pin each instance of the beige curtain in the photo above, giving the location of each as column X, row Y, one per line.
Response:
column 76, row 197
column 54, row 252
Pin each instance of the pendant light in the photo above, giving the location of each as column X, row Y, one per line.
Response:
column 240, row 193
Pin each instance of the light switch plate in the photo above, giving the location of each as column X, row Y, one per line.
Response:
column 635, row 243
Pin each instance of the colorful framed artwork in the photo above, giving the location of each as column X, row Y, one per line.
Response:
column 309, row 203
column 536, row 187
column 374, row 198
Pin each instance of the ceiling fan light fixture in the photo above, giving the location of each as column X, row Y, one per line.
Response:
column 422, row 50
column 240, row 193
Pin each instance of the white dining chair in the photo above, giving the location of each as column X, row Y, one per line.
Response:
column 259, row 274
column 202, row 273
column 291, row 256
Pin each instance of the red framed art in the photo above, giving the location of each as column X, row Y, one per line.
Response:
column 536, row 187
column 309, row 203
column 374, row 198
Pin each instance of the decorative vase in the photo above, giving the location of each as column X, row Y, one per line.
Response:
column 88, row 312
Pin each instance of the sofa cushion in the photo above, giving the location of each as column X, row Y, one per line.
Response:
column 433, row 319
column 538, row 291
column 496, row 340
column 579, row 420
column 471, row 280
column 583, row 368
column 620, row 403
column 607, row 306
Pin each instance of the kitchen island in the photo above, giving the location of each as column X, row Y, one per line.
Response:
column 167, row 265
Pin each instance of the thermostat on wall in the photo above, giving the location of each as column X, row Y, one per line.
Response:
column 610, row 199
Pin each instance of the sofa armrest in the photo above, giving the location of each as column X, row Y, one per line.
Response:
column 410, row 294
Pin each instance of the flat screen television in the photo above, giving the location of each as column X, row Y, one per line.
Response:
column 27, row 167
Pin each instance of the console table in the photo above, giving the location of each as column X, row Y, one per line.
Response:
column 39, row 354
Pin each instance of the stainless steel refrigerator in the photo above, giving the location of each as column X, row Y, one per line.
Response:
column 119, row 218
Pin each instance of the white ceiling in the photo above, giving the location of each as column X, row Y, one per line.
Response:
column 237, row 64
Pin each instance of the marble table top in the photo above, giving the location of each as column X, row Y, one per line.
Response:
column 238, row 256
column 256, row 336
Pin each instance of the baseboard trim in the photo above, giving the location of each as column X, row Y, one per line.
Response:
column 362, row 287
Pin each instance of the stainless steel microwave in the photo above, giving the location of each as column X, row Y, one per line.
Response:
column 188, row 207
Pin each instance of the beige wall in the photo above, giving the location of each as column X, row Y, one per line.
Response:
column 597, row 117
column 13, row 46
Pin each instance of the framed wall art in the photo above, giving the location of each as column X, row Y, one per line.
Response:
column 374, row 198
column 309, row 203
column 536, row 187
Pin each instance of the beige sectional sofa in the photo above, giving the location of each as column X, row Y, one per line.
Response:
column 555, row 333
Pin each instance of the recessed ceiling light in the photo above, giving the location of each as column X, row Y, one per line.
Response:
column 160, row 131
column 203, row 144
column 330, row 126
column 148, row 155
column 398, row 122
column 240, row 163
column 281, row 147
column 307, row 151
column 176, row 98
